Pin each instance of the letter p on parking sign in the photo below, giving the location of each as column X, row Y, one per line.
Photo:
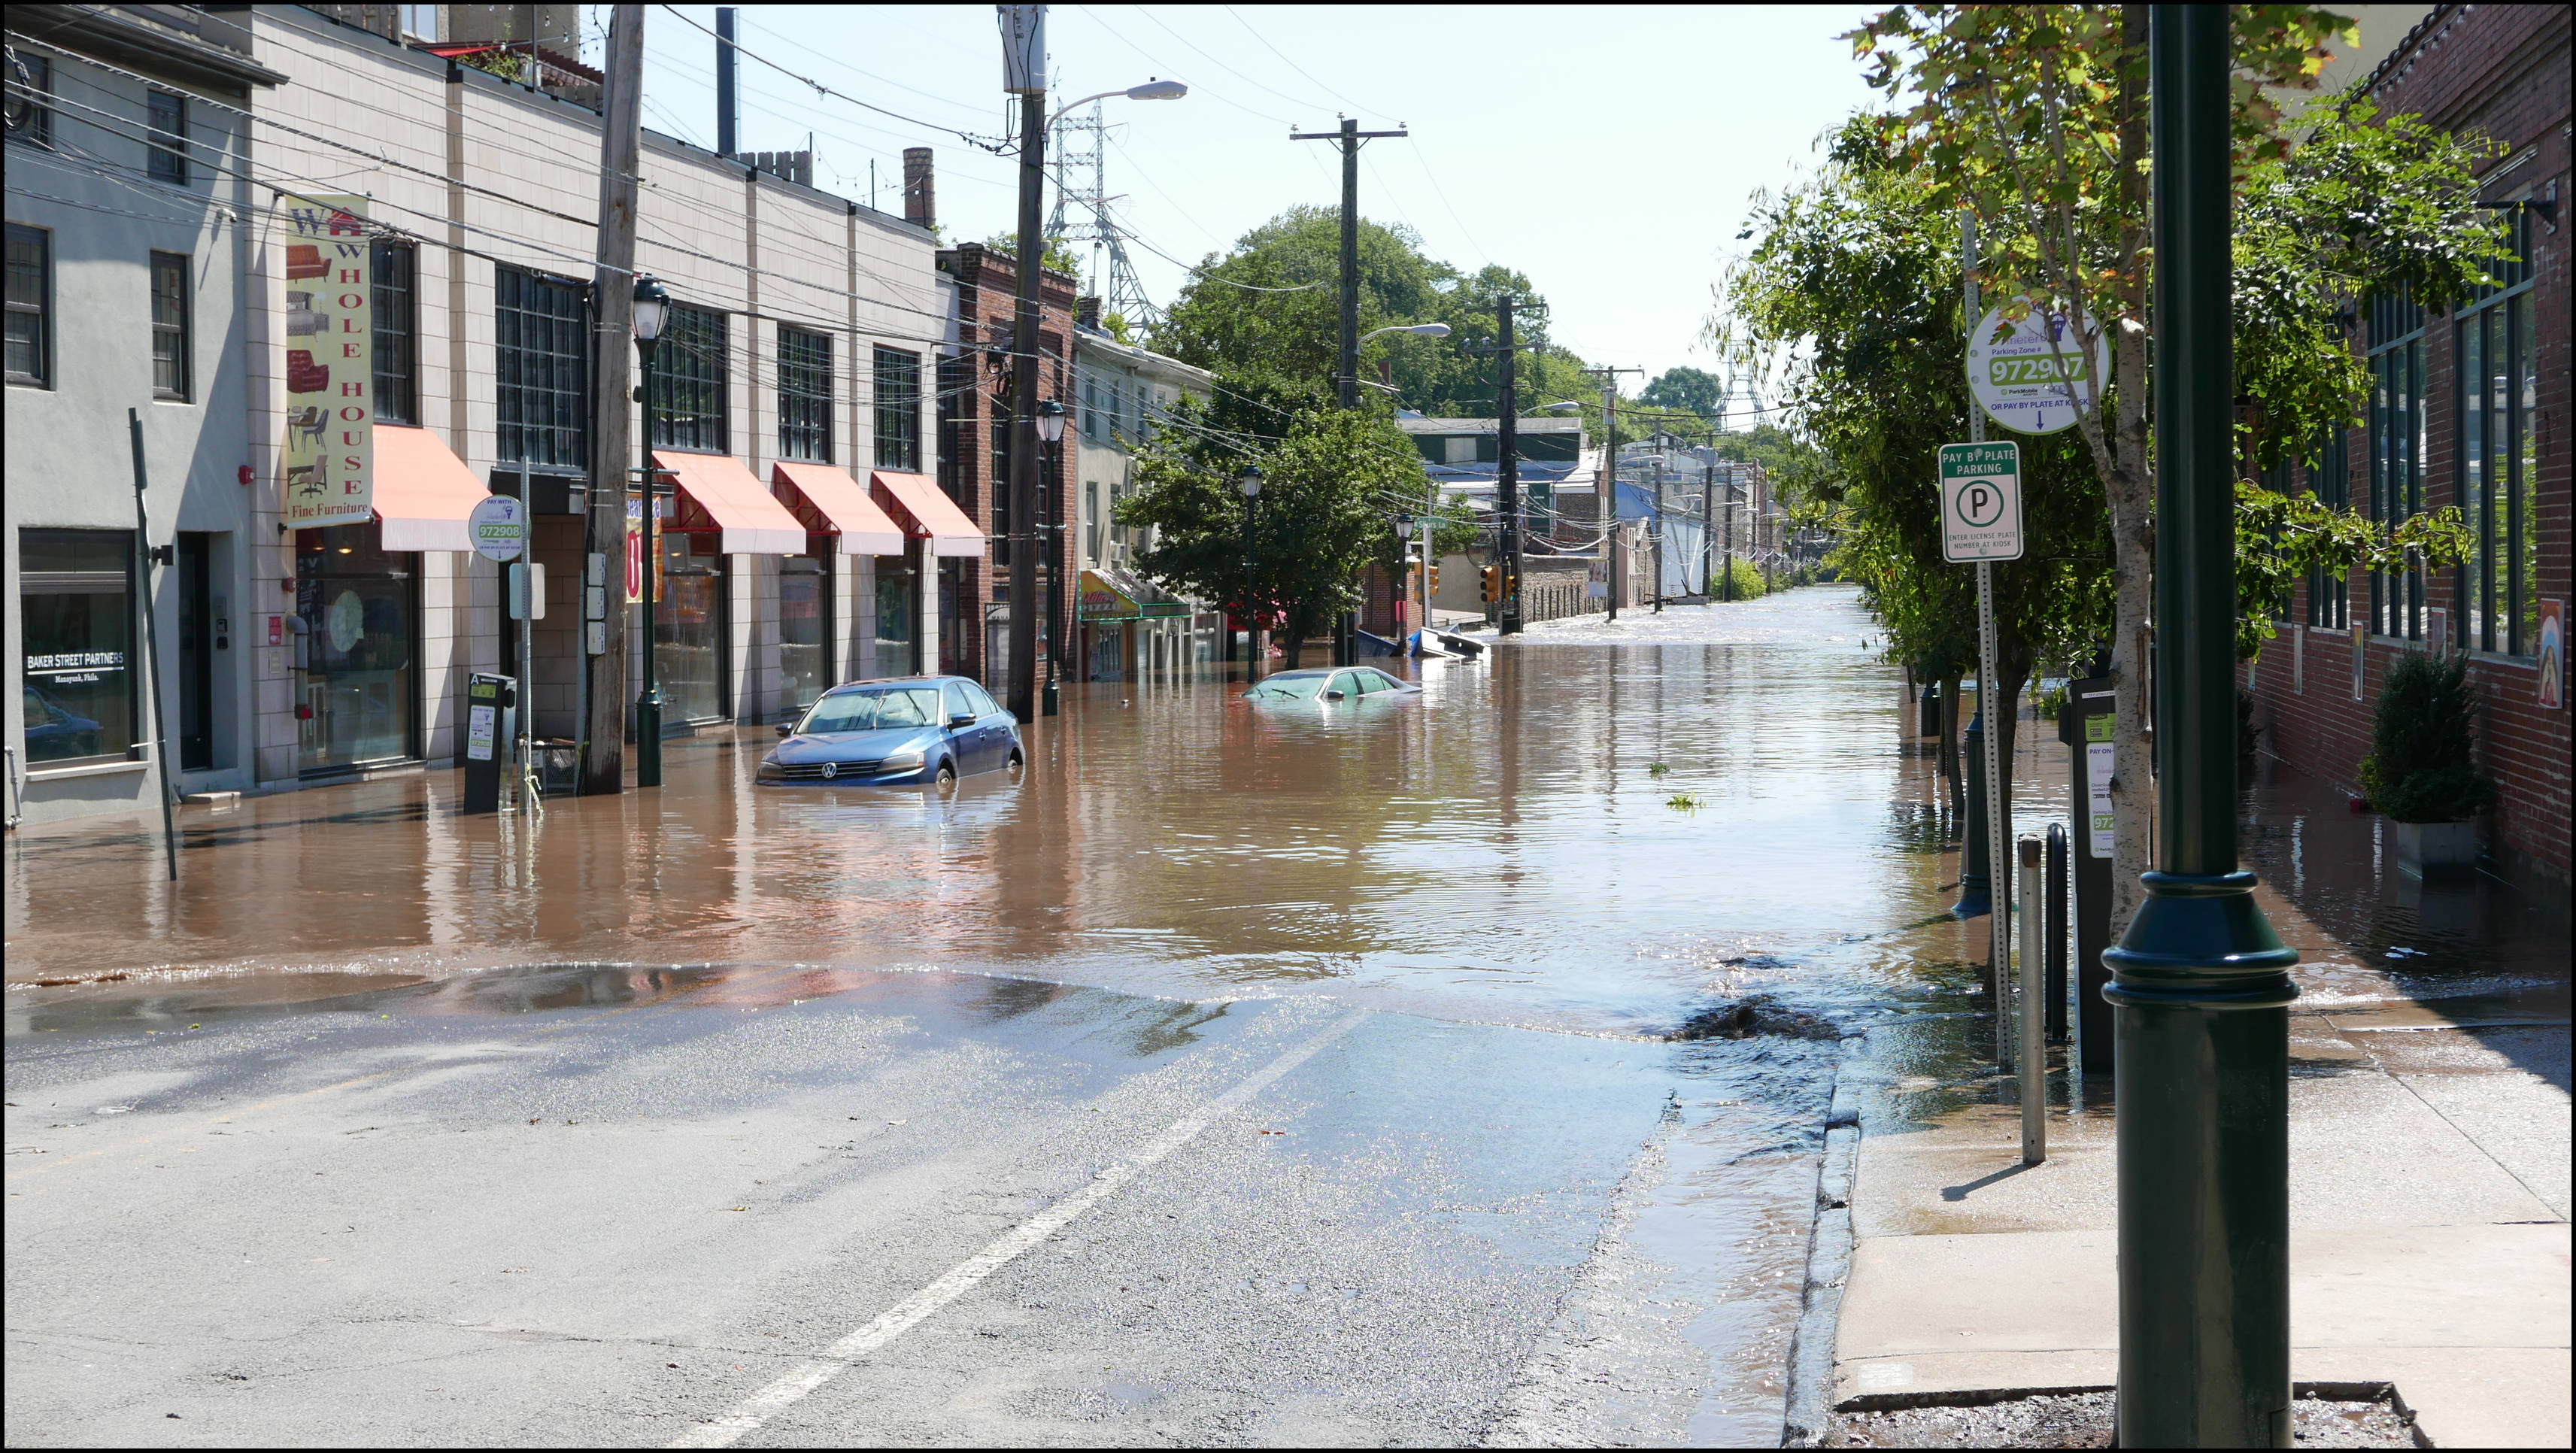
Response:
column 1980, row 502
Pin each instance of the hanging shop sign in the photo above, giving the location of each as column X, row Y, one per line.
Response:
column 499, row 528
column 2035, row 376
column 329, row 450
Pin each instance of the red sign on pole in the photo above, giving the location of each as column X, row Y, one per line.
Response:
column 634, row 551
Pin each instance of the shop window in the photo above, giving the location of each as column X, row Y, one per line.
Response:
column 689, row 382
column 394, row 315
column 2494, row 394
column 31, row 306
column 2396, row 423
column 898, row 410
column 170, row 326
column 804, row 395
column 76, row 627
column 31, row 86
column 359, row 697
column 169, row 143
column 690, row 617
column 898, row 600
column 805, row 626
column 541, row 367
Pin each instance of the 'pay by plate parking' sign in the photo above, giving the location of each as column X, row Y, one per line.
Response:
column 1980, row 502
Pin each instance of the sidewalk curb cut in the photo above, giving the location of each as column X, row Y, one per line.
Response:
column 1808, row 1406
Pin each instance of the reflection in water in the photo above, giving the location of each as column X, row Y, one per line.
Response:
column 1496, row 848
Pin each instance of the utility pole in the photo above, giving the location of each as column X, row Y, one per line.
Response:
column 603, row 756
column 728, row 92
column 1605, row 504
column 1708, row 521
column 1659, row 531
column 2200, row 986
column 1346, row 366
column 1024, row 55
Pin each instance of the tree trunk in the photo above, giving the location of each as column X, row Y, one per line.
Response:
column 2128, row 485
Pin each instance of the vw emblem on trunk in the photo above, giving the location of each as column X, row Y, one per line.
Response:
column 831, row 769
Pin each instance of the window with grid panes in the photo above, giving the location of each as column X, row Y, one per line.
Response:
column 804, row 395
column 541, row 368
column 2396, row 425
column 2330, row 480
column 956, row 422
column 393, row 314
column 31, row 306
column 689, row 393
column 898, row 410
column 169, row 144
column 2494, row 393
column 31, row 85
column 170, row 325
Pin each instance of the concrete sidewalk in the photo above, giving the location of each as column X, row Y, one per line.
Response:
column 2429, row 1212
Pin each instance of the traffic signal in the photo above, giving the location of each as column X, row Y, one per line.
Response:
column 1490, row 588
column 1435, row 580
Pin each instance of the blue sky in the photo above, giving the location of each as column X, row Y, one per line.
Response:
column 1605, row 151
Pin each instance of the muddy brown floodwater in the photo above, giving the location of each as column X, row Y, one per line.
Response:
column 1596, row 828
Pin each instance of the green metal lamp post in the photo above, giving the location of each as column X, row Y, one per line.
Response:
column 652, row 309
column 1049, row 534
column 2200, row 983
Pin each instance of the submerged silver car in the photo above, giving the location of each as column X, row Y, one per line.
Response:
column 899, row 733
column 1335, row 683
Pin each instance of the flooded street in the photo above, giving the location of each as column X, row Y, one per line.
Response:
column 1359, row 1012
column 1502, row 849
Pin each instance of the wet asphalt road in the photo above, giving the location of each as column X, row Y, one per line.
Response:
column 424, row 1217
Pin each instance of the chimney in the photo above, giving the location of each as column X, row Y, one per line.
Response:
column 728, row 99
column 919, row 207
column 1086, row 313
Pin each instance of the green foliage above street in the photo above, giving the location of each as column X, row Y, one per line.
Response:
column 1328, row 484
column 2420, row 767
column 1693, row 391
column 1060, row 256
column 1267, row 313
column 2281, row 538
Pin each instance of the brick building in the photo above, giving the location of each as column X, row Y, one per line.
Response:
column 974, row 457
column 2469, row 408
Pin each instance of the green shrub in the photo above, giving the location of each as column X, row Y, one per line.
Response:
column 1746, row 577
column 2419, row 768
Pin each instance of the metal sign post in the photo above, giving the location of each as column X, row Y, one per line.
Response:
column 1981, row 522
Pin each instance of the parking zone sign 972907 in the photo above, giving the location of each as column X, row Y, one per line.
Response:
column 1980, row 502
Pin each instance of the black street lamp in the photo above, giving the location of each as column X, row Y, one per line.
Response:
column 652, row 309
column 2200, row 984
column 1050, row 422
column 1248, row 484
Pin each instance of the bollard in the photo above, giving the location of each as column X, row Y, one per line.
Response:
column 2033, row 1017
column 2052, row 932
column 1976, row 893
column 1928, row 723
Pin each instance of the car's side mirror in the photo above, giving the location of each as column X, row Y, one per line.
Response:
column 1335, row 695
column 787, row 728
column 961, row 721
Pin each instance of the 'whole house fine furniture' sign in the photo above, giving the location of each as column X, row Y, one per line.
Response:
column 329, row 449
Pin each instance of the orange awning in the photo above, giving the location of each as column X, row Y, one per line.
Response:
column 926, row 512
column 423, row 492
column 829, row 502
column 733, row 502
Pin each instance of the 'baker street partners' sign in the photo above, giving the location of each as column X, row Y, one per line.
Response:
column 1980, row 502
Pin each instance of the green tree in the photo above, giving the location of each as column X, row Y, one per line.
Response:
column 2033, row 119
column 1688, row 389
column 1059, row 254
column 1328, row 483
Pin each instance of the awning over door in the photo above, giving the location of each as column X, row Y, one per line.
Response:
column 719, row 493
column 926, row 512
column 423, row 492
column 829, row 502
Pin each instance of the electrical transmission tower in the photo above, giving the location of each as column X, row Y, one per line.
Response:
column 1081, row 214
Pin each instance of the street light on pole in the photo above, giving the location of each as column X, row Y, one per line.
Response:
column 652, row 310
column 1248, row 484
column 1050, row 422
column 1024, row 74
column 1418, row 330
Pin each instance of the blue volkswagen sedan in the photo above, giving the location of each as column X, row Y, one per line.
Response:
column 900, row 733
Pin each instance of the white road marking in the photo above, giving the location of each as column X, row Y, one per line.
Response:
column 806, row 1376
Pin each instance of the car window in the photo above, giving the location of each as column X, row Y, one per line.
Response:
column 958, row 705
column 1373, row 681
column 1300, row 686
column 983, row 701
column 867, row 711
